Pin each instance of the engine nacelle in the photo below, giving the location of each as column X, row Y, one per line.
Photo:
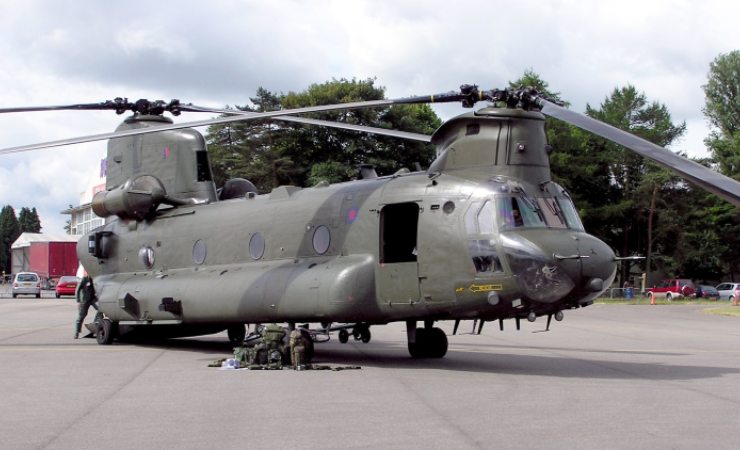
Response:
column 135, row 199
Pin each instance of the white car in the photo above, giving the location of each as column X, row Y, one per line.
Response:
column 26, row 283
column 726, row 290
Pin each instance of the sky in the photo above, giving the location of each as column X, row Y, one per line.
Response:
column 220, row 52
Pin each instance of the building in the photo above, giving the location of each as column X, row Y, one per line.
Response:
column 83, row 219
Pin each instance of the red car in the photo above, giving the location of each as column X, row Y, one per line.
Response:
column 673, row 288
column 66, row 286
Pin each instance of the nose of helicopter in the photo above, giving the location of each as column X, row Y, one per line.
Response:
column 550, row 264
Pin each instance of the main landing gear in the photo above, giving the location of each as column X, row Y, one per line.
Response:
column 427, row 342
column 361, row 332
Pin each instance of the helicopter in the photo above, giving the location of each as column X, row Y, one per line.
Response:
column 483, row 234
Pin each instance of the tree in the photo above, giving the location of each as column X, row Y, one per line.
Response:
column 722, row 108
column 631, row 176
column 274, row 153
column 717, row 230
column 9, row 232
column 28, row 221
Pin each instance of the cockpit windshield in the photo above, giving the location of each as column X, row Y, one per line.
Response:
column 515, row 212
column 490, row 214
column 526, row 212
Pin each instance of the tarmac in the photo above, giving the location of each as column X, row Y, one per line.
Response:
column 608, row 376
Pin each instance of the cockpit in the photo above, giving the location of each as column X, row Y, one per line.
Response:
column 506, row 208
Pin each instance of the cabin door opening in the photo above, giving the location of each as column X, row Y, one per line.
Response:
column 398, row 270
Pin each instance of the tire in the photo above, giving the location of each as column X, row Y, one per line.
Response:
column 418, row 349
column 38, row 295
column 16, row 295
column 343, row 336
column 57, row 295
column 668, row 297
column 438, row 343
column 236, row 334
column 308, row 343
column 106, row 332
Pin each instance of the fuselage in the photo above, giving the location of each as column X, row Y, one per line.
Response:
column 483, row 233
column 404, row 247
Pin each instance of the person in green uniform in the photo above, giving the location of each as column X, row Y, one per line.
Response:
column 85, row 296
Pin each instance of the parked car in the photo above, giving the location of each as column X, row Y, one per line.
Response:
column 705, row 291
column 27, row 283
column 672, row 288
column 726, row 290
column 67, row 285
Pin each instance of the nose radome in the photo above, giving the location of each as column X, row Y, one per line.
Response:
column 584, row 259
column 539, row 276
column 600, row 263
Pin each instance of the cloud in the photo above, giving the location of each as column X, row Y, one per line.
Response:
column 220, row 52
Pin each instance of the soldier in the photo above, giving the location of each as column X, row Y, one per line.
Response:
column 297, row 349
column 85, row 296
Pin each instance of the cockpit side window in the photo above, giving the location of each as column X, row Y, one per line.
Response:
column 571, row 215
column 470, row 218
column 479, row 222
column 485, row 218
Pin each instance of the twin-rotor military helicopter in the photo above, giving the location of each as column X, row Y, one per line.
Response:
column 484, row 233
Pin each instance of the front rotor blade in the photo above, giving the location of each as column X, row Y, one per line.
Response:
column 324, row 123
column 197, row 123
column 714, row 182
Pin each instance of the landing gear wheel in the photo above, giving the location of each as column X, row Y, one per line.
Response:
column 236, row 334
column 430, row 343
column 418, row 349
column 343, row 336
column 438, row 343
column 106, row 332
column 361, row 332
column 365, row 335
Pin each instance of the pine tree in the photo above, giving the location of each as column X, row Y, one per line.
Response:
column 9, row 232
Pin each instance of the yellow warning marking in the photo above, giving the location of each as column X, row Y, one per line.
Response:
column 485, row 287
column 459, row 290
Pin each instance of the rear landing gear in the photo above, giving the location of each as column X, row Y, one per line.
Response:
column 427, row 342
column 361, row 332
column 236, row 333
column 106, row 332
column 343, row 336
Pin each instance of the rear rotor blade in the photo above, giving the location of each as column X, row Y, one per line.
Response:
column 197, row 123
column 714, row 182
column 469, row 94
column 79, row 107
column 119, row 105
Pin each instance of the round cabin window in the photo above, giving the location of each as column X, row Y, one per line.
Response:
column 321, row 239
column 199, row 252
column 257, row 246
